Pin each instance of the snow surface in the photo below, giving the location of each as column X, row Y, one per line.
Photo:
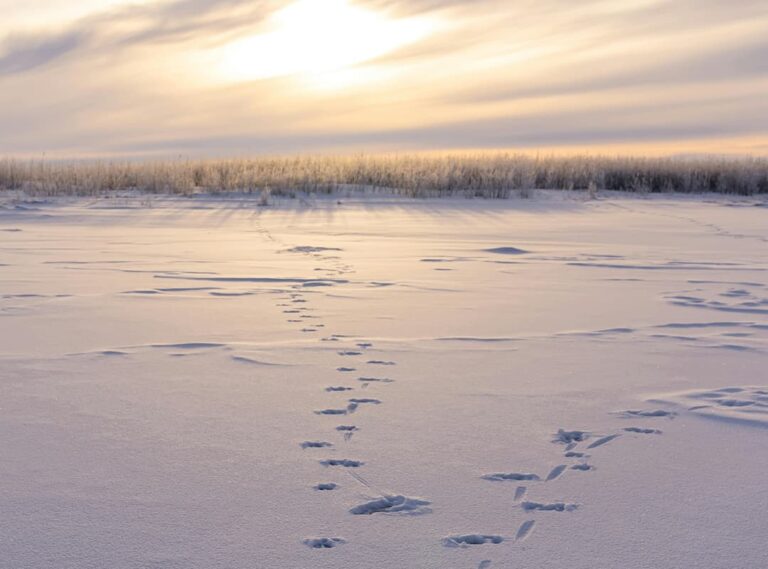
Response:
column 548, row 383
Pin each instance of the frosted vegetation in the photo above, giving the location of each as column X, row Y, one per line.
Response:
column 481, row 175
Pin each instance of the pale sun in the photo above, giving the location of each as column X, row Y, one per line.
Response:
column 311, row 37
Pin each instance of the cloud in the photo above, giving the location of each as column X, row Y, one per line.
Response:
column 185, row 20
column 23, row 53
column 125, row 26
column 134, row 78
column 714, row 117
column 712, row 64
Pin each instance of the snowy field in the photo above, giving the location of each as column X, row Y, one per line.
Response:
column 546, row 383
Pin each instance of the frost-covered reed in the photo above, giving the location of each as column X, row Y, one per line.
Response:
column 489, row 175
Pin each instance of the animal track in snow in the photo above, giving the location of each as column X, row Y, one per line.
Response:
column 349, row 353
column 334, row 388
column 323, row 542
column 556, row 472
column 552, row 507
column 381, row 362
column 570, row 437
column 345, row 369
column 343, row 462
column 516, row 476
column 375, row 380
column 347, row 430
column 602, row 441
column 365, row 400
column 393, row 504
column 471, row 539
column 315, row 444
column 726, row 397
column 332, row 412
column 326, row 486
column 574, row 454
column 642, row 431
column 525, row 530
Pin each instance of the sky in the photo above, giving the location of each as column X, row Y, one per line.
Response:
column 145, row 78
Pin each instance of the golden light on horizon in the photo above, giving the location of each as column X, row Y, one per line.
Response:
column 314, row 37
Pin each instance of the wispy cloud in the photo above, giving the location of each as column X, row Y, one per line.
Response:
column 133, row 78
column 124, row 25
column 26, row 52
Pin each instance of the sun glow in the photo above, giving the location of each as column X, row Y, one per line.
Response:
column 311, row 37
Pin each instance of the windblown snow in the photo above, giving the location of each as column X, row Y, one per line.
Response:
column 370, row 383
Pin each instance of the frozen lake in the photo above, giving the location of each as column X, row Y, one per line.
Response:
column 548, row 383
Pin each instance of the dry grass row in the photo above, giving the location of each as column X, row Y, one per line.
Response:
column 494, row 175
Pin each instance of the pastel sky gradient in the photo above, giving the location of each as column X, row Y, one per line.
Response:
column 240, row 77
